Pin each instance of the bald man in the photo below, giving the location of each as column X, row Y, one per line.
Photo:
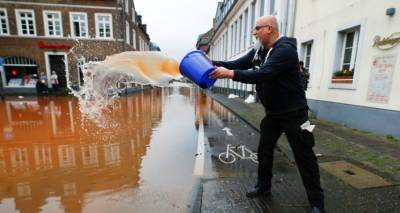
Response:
column 279, row 86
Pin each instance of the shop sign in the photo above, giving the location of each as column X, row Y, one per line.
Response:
column 43, row 45
column 381, row 78
column 387, row 43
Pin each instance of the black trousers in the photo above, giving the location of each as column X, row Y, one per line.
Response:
column 301, row 143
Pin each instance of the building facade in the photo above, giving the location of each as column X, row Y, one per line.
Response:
column 38, row 37
column 351, row 49
column 233, row 28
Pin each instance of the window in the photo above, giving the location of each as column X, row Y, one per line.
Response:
column 134, row 38
column 3, row 22
column 104, row 25
column 127, row 6
column 26, row 22
column 226, row 45
column 253, row 18
column 232, row 40
column 236, row 37
column 52, row 23
column 307, row 54
column 20, row 71
column 274, row 7
column 127, row 33
column 262, row 5
column 79, row 27
column 141, row 44
column 240, row 33
column 349, row 50
column 246, row 18
column 345, row 63
column 133, row 15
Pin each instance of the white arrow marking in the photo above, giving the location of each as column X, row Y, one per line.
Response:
column 227, row 130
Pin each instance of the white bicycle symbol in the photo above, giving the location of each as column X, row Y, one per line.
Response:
column 230, row 155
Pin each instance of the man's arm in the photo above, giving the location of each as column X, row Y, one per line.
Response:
column 242, row 63
column 278, row 62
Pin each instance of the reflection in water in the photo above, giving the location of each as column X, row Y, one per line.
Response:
column 52, row 160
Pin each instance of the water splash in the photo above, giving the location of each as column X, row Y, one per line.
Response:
column 105, row 80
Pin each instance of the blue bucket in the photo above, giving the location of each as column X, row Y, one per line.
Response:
column 196, row 66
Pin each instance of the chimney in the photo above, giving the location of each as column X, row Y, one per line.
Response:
column 139, row 19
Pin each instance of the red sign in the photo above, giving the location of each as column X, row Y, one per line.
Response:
column 43, row 45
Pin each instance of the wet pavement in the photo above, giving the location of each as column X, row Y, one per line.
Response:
column 157, row 150
column 226, row 193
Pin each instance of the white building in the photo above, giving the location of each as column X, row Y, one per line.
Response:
column 233, row 24
column 362, row 36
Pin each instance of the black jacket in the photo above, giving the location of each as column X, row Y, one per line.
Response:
column 279, row 82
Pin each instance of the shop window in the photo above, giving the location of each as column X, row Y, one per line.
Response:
column 3, row 22
column 20, row 71
column 345, row 66
column 104, row 26
column 26, row 22
column 53, row 23
column 79, row 27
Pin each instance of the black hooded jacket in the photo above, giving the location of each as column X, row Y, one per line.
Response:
column 278, row 80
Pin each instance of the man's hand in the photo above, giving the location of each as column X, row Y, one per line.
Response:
column 221, row 72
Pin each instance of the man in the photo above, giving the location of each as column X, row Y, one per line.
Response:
column 306, row 74
column 280, row 89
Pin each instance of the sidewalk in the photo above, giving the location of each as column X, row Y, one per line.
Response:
column 353, row 165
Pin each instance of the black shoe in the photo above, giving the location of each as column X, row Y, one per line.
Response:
column 257, row 192
column 317, row 210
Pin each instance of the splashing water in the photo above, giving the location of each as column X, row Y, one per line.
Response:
column 103, row 81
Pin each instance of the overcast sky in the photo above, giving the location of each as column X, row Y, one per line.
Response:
column 175, row 24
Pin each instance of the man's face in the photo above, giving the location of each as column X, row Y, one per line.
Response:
column 262, row 31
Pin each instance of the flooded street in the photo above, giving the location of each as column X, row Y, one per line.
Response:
column 53, row 160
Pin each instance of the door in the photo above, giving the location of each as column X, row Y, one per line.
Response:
column 57, row 64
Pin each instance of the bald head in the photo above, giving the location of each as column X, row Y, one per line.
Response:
column 269, row 20
column 267, row 30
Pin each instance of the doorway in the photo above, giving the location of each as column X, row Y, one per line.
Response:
column 57, row 62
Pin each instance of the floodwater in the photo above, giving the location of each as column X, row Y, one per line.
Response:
column 142, row 160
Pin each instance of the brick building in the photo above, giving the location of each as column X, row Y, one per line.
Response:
column 38, row 37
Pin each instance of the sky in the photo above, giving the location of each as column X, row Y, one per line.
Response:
column 175, row 25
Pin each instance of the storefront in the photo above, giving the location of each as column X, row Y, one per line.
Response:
column 19, row 71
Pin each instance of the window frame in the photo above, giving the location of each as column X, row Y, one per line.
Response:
column 353, row 48
column 46, row 26
column 127, row 6
column 358, row 26
column 7, row 24
column 19, row 24
column 134, row 38
column 127, row 33
column 305, row 46
column 97, row 26
column 71, row 14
